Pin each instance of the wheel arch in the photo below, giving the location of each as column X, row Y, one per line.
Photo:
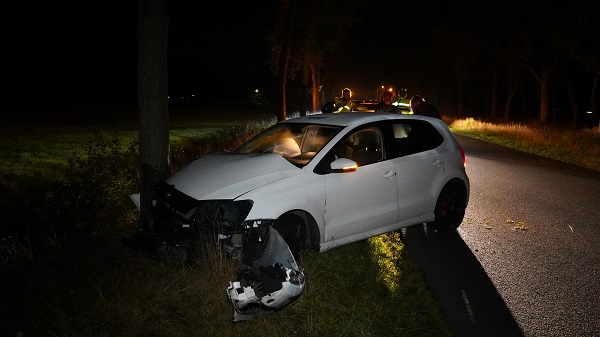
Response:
column 459, row 184
column 459, row 189
column 312, row 237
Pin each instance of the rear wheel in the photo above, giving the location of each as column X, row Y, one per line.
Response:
column 292, row 229
column 450, row 207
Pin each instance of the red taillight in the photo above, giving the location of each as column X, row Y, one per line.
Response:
column 464, row 158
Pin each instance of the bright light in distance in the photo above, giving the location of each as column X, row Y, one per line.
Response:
column 589, row 112
column 256, row 90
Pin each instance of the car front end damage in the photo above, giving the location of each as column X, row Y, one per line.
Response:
column 182, row 227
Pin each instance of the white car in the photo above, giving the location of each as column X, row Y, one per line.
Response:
column 321, row 181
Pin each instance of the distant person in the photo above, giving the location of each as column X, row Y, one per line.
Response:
column 402, row 101
column 402, row 94
column 386, row 103
column 345, row 102
column 328, row 108
column 419, row 106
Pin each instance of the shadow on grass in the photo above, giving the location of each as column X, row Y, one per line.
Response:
column 463, row 291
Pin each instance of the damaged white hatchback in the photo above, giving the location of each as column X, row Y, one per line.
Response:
column 317, row 181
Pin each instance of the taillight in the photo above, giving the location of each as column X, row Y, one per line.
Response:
column 464, row 158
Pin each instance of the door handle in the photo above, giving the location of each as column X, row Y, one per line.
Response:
column 389, row 174
column 437, row 163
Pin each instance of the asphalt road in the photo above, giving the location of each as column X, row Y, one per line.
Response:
column 526, row 259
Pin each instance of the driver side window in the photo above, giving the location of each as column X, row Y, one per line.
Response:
column 364, row 146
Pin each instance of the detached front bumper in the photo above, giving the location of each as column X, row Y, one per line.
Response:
column 269, row 276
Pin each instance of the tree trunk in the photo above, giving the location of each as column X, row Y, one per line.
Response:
column 304, row 91
column 153, row 108
column 572, row 100
column 512, row 90
column 460, row 100
column 282, row 115
column 494, row 95
column 544, row 98
column 594, row 107
column 315, row 88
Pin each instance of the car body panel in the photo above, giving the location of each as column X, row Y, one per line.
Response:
column 361, row 201
column 226, row 175
column 417, row 193
column 304, row 191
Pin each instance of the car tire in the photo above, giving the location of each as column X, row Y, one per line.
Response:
column 450, row 207
column 292, row 229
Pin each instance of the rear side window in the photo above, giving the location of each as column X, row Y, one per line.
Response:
column 414, row 136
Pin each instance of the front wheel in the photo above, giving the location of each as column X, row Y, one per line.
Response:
column 292, row 230
column 450, row 207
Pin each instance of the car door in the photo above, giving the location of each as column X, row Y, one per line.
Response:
column 421, row 167
column 359, row 203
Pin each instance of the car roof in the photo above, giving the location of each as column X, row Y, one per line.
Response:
column 351, row 118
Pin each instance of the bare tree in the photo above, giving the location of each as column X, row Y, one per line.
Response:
column 512, row 78
column 541, row 49
column 541, row 69
column 153, row 110
column 304, row 33
column 583, row 45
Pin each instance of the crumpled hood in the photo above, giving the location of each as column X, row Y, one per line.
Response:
column 227, row 176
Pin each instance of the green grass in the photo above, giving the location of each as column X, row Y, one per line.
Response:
column 42, row 152
column 63, row 189
column 109, row 291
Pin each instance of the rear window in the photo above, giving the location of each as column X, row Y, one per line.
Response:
column 414, row 136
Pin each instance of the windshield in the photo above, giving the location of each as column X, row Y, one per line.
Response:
column 298, row 143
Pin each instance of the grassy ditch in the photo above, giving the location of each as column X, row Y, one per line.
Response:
column 64, row 272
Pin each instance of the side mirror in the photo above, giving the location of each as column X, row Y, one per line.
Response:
column 343, row 165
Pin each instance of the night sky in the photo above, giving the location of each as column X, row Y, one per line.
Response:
column 75, row 53
column 62, row 53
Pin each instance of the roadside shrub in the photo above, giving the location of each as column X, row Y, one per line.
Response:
column 94, row 194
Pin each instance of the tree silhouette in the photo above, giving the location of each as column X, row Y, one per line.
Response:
column 583, row 45
column 301, row 38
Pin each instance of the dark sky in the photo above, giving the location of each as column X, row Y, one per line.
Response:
column 85, row 51
column 60, row 51
column 390, row 45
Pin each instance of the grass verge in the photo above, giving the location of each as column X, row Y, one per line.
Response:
column 580, row 147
